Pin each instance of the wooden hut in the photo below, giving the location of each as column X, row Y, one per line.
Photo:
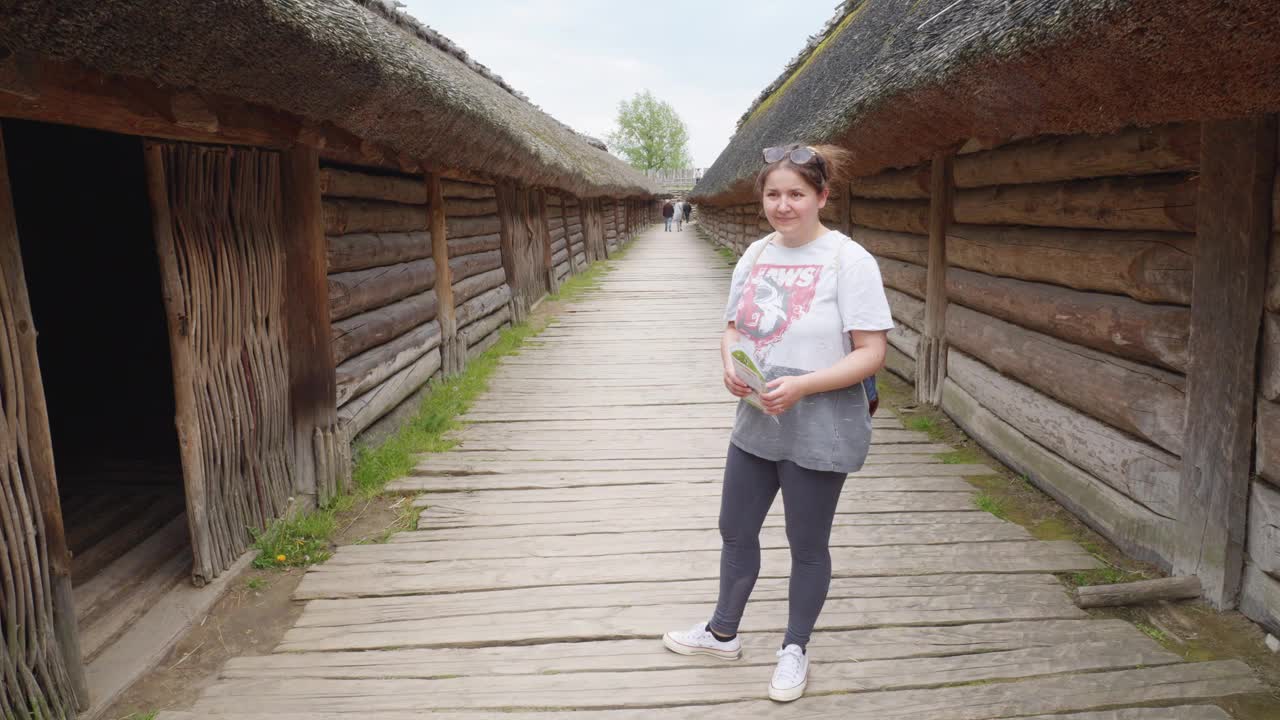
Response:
column 234, row 238
column 1072, row 203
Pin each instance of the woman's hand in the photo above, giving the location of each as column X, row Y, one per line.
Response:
column 784, row 392
column 735, row 386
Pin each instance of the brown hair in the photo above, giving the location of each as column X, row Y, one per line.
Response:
column 822, row 172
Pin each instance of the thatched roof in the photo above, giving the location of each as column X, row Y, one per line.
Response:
column 361, row 65
column 896, row 81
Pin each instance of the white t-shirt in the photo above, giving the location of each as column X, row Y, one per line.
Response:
column 799, row 304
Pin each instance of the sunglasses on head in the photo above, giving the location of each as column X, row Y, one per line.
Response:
column 798, row 154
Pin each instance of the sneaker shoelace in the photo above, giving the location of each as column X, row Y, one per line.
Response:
column 789, row 664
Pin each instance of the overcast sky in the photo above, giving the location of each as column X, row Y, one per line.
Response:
column 576, row 59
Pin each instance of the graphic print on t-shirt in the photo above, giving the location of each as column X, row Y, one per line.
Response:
column 774, row 297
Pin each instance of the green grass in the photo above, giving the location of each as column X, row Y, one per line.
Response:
column 304, row 538
column 927, row 425
column 151, row 715
column 1152, row 632
column 960, row 457
column 991, row 504
column 256, row 583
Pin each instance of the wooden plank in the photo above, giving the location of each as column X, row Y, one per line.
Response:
column 1238, row 168
column 1151, row 267
column 1139, row 399
column 429, row 550
column 1129, row 525
column 677, row 686
column 639, row 655
column 975, row 701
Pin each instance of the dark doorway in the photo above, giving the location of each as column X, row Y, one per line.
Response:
column 80, row 199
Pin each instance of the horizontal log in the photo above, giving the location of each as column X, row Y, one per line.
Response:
column 479, row 329
column 1137, row 593
column 1132, row 527
column 465, row 207
column 1151, row 202
column 1260, row 598
column 560, row 256
column 356, row 291
column 474, row 244
column 459, row 227
column 1148, row 266
column 897, row 362
column 908, row 216
column 576, row 238
column 370, row 368
column 1121, row 326
column 371, row 250
column 906, row 309
column 903, row 276
column 360, row 332
column 461, row 268
column 460, row 189
column 1136, row 151
column 905, row 339
column 1268, row 440
column 1141, row 400
column 342, row 217
column 390, row 188
column 558, row 245
column 554, row 222
column 476, row 284
column 483, row 304
column 479, row 348
column 1269, row 380
column 1141, row 472
column 363, row 411
column 1264, row 528
column 903, row 184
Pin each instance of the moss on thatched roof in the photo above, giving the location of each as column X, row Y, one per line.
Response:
column 896, row 80
column 362, row 65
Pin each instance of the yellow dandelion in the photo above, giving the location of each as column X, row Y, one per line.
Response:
column 281, row 558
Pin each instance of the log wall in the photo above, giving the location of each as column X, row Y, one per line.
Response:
column 382, row 299
column 1260, row 594
column 481, row 292
column 1068, row 266
column 561, row 265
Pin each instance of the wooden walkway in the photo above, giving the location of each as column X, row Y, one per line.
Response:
column 577, row 522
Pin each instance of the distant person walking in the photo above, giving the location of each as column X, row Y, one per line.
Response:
column 668, row 212
column 680, row 211
column 688, row 210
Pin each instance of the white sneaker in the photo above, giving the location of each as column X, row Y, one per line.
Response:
column 791, row 676
column 697, row 640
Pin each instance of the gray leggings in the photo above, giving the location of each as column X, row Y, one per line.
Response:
column 809, row 501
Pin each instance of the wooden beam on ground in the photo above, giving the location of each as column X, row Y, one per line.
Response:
column 931, row 355
column 1137, row 593
column 1234, row 229
column 452, row 354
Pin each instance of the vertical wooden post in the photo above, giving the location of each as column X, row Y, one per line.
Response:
column 40, row 443
column 186, row 410
column 453, row 354
column 1233, row 227
column 312, row 386
column 931, row 358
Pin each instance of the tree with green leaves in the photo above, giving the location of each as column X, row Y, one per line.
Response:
column 650, row 135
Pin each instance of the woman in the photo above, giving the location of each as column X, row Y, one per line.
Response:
column 809, row 303
column 668, row 212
